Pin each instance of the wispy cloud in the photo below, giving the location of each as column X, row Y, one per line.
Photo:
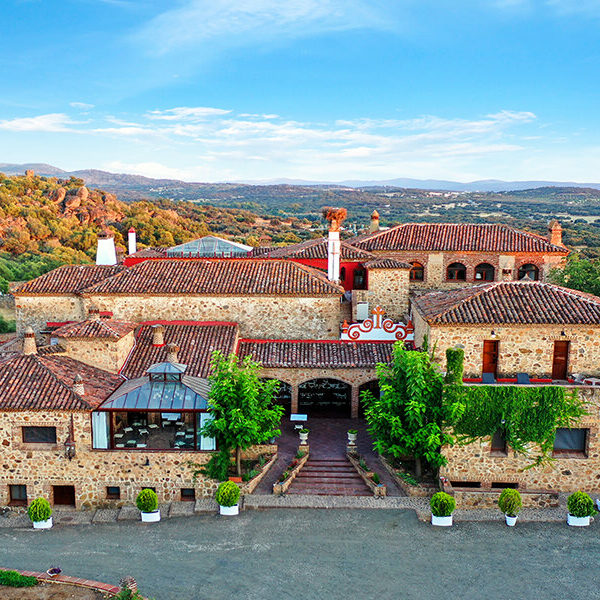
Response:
column 182, row 113
column 81, row 105
column 51, row 122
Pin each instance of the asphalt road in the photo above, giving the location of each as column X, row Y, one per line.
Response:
column 322, row 554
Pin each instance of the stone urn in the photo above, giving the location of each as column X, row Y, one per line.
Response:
column 303, row 436
column 352, row 435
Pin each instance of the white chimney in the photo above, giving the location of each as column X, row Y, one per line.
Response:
column 132, row 243
column 106, row 253
column 335, row 216
column 78, row 386
column 29, row 345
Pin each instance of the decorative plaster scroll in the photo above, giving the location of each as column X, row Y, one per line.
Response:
column 377, row 329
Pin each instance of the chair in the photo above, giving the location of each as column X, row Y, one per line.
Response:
column 488, row 378
column 153, row 426
column 523, row 378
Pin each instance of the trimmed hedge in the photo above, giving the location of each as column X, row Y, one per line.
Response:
column 15, row 579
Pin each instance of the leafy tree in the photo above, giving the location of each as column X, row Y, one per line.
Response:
column 579, row 274
column 409, row 416
column 241, row 405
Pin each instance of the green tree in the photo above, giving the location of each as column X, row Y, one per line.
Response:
column 241, row 405
column 579, row 274
column 409, row 416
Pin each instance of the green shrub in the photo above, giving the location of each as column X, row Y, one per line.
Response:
column 15, row 579
column 442, row 504
column 228, row 494
column 218, row 466
column 147, row 501
column 305, row 430
column 579, row 504
column 510, row 502
column 376, row 479
column 353, row 431
column 39, row 510
column 407, row 477
column 363, row 465
column 300, row 454
column 250, row 475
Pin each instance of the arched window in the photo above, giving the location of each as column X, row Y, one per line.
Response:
column 484, row 272
column 417, row 272
column 529, row 271
column 456, row 272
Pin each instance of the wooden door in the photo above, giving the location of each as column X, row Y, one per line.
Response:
column 64, row 495
column 560, row 360
column 490, row 357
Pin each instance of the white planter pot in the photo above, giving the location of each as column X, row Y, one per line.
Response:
column 441, row 521
column 43, row 524
column 511, row 521
column 577, row 521
column 303, row 438
column 229, row 511
column 352, row 438
column 151, row 517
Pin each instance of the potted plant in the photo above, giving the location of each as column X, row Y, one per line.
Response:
column 147, row 502
column 40, row 513
column 510, row 504
column 442, row 507
column 352, row 433
column 227, row 496
column 304, row 436
column 581, row 508
column 54, row 571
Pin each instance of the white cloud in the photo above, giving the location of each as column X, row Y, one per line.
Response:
column 186, row 113
column 50, row 122
column 81, row 105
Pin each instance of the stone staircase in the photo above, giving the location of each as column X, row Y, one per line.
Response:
column 329, row 477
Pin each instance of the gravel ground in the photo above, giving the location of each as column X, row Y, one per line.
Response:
column 313, row 554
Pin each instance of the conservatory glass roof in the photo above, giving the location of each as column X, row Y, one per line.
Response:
column 209, row 246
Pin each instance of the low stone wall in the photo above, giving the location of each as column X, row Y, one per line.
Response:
column 280, row 488
column 489, row 499
column 419, row 491
column 249, row 486
column 379, row 490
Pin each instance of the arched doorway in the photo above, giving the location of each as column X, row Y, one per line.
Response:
column 283, row 396
column 371, row 386
column 325, row 398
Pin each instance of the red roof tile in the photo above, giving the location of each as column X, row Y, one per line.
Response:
column 510, row 302
column 316, row 354
column 196, row 341
column 387, row 263
column 455, row 237
column 70, row 279
column 95, row 328
column 318, row 249
column 216, row 277
column 35, row 382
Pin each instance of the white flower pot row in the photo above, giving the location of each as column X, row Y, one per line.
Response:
column 577, row 521
column 441, row 521
column 151, row 517
column 229, row 511
column 47, row 524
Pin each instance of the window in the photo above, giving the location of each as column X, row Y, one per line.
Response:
column 529, row 271
column 359, row 279
column 571, row 441
column 466, row 484
column 456, row 272
column 188, row 494
column 484, row 272
column 501, row 485
column 417, row 272
column 39, row 435
column 18, row 495
column 113, row 492
column 498, row 446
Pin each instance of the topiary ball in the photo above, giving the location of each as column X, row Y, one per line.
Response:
column 39, row 510
column 147, row 501
column 228, row 494
column 510, row 502
column 580, row 504
column 442, row 504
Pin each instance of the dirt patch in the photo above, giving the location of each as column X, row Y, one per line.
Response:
column 49, row 591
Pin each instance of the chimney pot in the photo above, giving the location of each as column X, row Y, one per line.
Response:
column 555, row 233
column 29, row 345
column 131, row 241
column 106, row 253
column 158, row 335
column 335, row 216
column 172, row 353
column 94, row 313
column 78, row 387
column 374, row 226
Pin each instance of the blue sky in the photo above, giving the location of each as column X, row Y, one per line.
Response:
column 223, row 90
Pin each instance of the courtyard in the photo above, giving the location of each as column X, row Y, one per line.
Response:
column 314, row 554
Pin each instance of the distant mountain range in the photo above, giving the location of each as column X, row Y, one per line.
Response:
column 138, row 185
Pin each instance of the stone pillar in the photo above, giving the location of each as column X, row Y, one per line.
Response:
column 294, row 408
column 354, row 402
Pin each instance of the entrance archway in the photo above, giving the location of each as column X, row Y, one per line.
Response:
column 371, row 386
column 283, row 396
column 325, row 398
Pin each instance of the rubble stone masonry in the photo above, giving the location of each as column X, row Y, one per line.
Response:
column 103, row 353
column 388, row 288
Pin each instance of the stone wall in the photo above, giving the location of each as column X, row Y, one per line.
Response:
column 388, row 288
column 521, row 348
column 41, row 466
column 476, row 462
column 103, row 353
column 36, row 311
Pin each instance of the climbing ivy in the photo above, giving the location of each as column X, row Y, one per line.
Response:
column 455, row 358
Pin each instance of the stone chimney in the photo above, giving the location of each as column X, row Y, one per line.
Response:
column 555, row 233
column 158, row 335
column 78, row 387
column 172, row 353
column 93, row 313
column 106, row 254
column 29, row 345
column 335, row 216
column 132, row 242
column 374, row 226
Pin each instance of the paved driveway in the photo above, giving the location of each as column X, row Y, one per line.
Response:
column 316, row 554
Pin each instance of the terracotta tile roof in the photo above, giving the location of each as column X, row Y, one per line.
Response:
column 316, row 354
column 95, row 328
column 153, row 252
column 70, row 279
column 455, row 237
column 217, row 277
column 44, row 382
column 318, row 249
column 387, row 263
column 513, row 302
column 196, row 341
column 261, row 251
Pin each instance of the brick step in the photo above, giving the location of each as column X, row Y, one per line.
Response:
column 328, row 492
column 327, row 461
column 325, row 479
column 330, row 469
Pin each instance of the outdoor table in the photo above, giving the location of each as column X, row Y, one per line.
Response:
column 143, row 432
column 119, row 435
column 153, row 426
column 179, row 434
column 128, row 429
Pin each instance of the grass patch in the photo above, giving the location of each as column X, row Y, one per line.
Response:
column 15, row 579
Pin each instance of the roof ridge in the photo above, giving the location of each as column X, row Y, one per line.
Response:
column 484, row 287
column 317, row 274
column 59, row 380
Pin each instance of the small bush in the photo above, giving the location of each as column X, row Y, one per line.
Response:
column 15, row 579
column 228, row 494
column 363, row 465
column 353, row 431
column 39, row 510
column 376, row 479
column 218, row 466
column 300, row 454
column 305, row 430
column 147, row 501
column 579, row 504
column 407, row 477
column 442, row 504
column 250, row 475
column 510, row 502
